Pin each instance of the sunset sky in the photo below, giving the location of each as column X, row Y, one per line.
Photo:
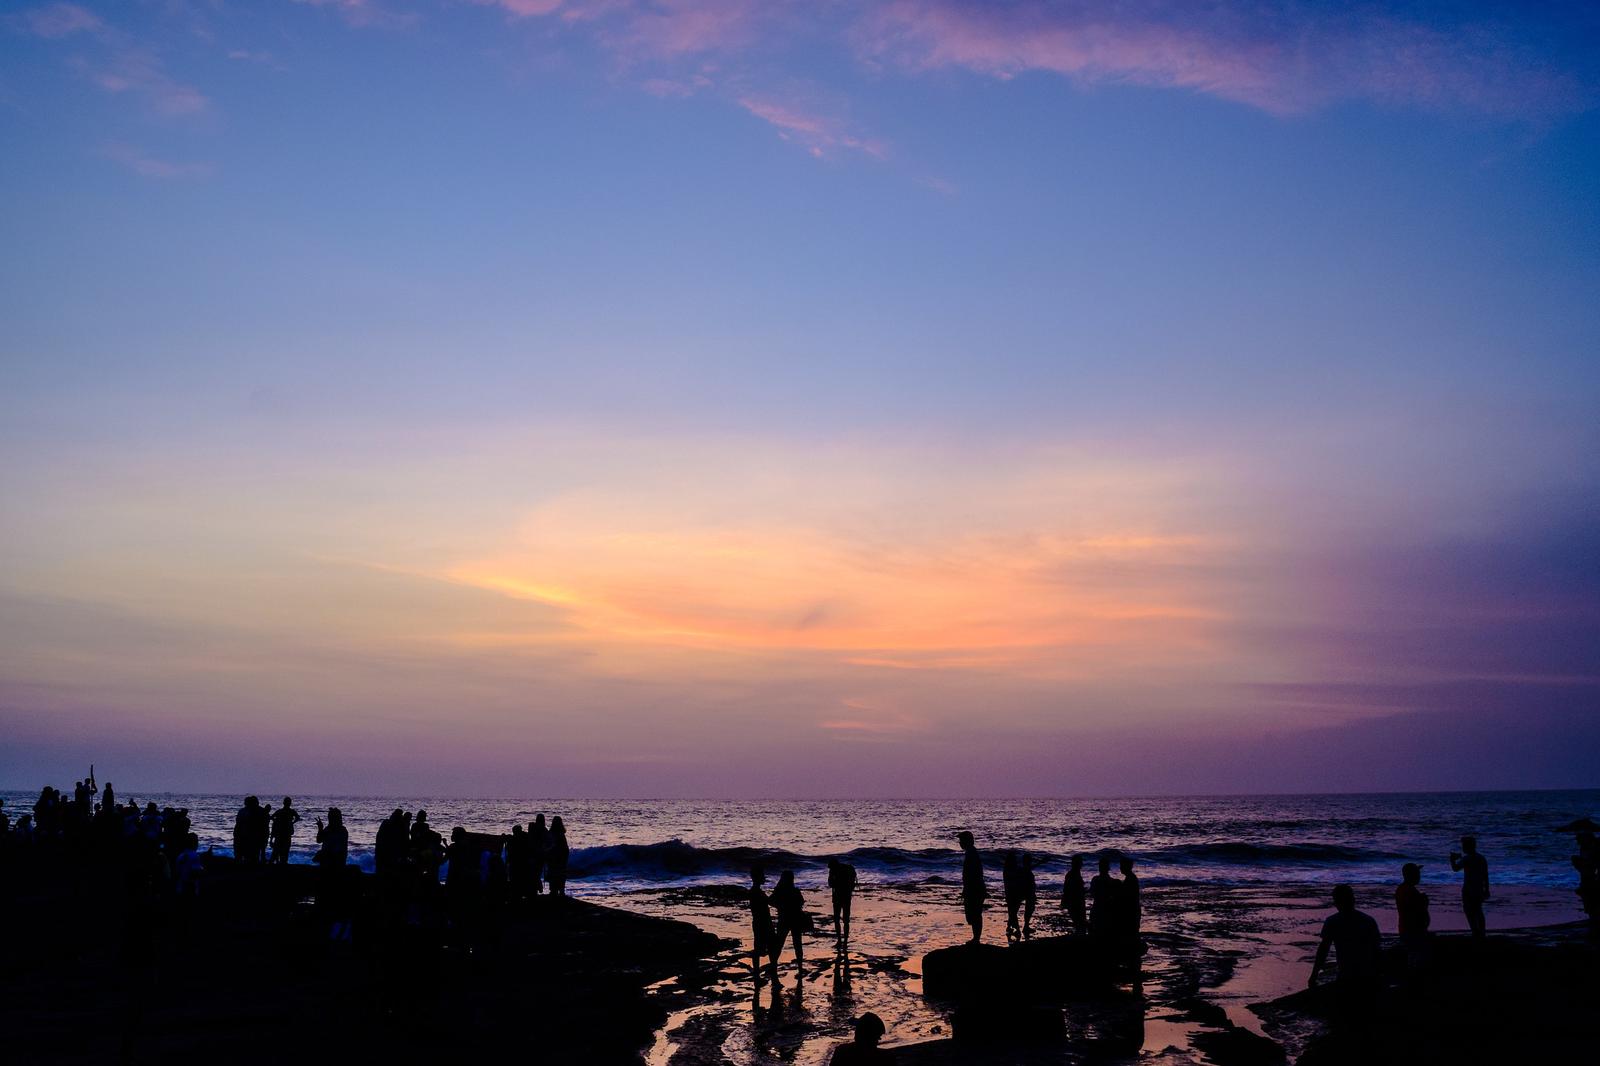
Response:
column 726, row 398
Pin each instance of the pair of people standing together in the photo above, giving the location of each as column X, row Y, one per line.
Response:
column 792, row 919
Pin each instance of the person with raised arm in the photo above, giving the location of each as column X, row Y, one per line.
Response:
column 1474, row 869
column 283, row 823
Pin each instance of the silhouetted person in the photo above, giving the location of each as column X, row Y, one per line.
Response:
column 108, row 798
column 187, row 868
column 1353, row 936
column 556, row 856
column 1474, row 869
column 1411, row 907
column 1011, row 882
column 864, row 1048
column 791, row 908
column 389, row 849
column 243, row 828
column 1073, row 899
column 519, row 863
column 762, row 934
column 1103, row 894
column 334, row 839
column 283, row 823
column 1030, row 895
column 1130, row 911
column 1588, row 889
column 842, row 886
column 973, row 888
column 463, row 880
column 427, row 848
column 538, row 851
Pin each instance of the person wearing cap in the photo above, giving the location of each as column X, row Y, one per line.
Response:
column 1411, row 904
column 864, row 1048
column 1474, row 869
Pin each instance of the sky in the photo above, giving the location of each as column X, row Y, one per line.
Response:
column 727, row 399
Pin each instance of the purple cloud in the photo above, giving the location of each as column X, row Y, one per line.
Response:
column 1284, row 59
column 59, row 20
column 818, row 134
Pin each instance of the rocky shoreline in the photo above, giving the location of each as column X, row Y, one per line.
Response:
column 249, row 974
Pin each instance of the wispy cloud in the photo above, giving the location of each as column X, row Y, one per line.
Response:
column 639, row 29
column 818, row 134
column 148, row 166
column 365, row 12
column 119, row 64
column 59, row 20
column 1284, row 59
column 140, row 73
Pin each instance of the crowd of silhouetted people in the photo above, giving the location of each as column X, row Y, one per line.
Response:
column 89, row 832
column 486, row 875
column 1107, row 909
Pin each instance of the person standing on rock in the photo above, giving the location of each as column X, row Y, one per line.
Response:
column 556, row 856
column 1011, row 881
column 973, row 888
column 283, row 823
column 538, row 851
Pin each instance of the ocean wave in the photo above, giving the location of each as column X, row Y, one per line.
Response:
column 672, row 860
column 1239, row 853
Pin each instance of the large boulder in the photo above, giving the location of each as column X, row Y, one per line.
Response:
column 1046, row 970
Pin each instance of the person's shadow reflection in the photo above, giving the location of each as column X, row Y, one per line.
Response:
column 841, row 973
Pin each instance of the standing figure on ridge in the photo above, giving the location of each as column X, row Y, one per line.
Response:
column 335, row 841
column 283, row 823
column 973, row 889
column 538, row 851
column 557, row 855
column 1011, row 882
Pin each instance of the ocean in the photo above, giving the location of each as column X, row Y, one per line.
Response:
column 1234, row 886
